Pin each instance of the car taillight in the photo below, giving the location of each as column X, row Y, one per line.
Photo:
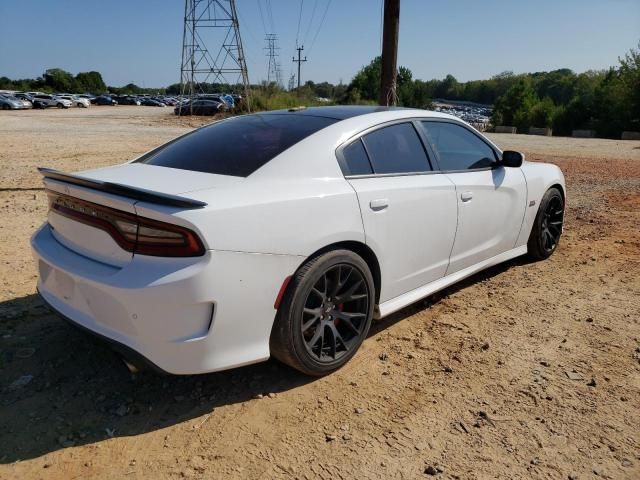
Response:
column 134, row 234
column 166, row 240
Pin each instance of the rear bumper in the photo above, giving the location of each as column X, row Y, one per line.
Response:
column 128, row 353
column 184, row 315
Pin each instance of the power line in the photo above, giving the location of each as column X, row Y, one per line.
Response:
column 299, row 20
column 270, row 12
column 324, row 15
column 256, row 42
column 264, row 27
column 313, row 12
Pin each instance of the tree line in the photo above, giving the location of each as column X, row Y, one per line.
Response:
column 607, row 101
column 57, row 80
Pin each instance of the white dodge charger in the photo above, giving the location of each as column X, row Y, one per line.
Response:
column 285, row 233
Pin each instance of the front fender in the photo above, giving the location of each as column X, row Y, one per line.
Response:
column 540, row 177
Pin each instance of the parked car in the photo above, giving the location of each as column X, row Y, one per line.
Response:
column 105, row 100
column 161, row 100
column 216, row 98
column 24, row 96
column 150, row 102
column 127, row 100
column 284, row 233
column 200, row 107
column 10, row 102
column 77, row 101
column 43, row 100
column 170, row 101
column 229, row 100
column 91, row 98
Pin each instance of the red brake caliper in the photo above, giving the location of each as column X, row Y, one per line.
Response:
column 340, row 309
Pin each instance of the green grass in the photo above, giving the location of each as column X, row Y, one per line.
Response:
column 270, row 99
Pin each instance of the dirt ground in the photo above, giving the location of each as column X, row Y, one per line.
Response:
column 528, row 370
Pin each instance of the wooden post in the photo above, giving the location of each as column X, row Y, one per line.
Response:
column 389, row 52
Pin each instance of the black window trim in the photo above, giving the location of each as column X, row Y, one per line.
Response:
column 342, row 162
column 471, row 130
column 432, row 156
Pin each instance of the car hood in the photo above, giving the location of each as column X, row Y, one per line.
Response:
column 160, row 179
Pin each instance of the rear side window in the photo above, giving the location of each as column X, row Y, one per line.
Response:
column 238, row 146
column 356, row 161
column 457, row 147
column 396, row 149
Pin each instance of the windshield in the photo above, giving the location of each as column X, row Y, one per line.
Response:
column 236, row 146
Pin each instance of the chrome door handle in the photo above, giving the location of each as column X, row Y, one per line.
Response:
column 379, row 204
column 466, row 196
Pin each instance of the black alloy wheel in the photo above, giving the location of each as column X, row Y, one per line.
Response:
column 335, row 313
column 325, row 313
column 552, row 224
column 547, row 227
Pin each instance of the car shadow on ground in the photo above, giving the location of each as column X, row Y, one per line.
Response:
column 60, row 387
column 420, row 305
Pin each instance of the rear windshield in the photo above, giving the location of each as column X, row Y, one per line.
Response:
column 237, row 146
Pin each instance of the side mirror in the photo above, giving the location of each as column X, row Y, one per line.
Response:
column 511, row 158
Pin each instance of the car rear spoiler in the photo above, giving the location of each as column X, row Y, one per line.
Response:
column 123, row 190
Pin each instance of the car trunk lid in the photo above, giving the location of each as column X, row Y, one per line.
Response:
column 94, row 213
column 160, row 179
column 79, row 236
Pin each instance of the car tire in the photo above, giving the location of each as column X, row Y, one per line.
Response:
column 547, row 226
column 325, row 313
column 60, row 105
column 5, row 107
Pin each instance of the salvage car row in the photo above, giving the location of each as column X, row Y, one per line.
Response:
column 206, row 104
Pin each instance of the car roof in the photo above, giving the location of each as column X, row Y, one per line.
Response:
column 347, row 112
column 350, row 121
column 337, row 112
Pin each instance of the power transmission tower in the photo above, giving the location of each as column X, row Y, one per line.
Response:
column 391, row 28
column 273, row 69
column 299, row 62
column 212, row 24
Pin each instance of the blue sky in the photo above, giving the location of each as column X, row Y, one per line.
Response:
column 140, row 40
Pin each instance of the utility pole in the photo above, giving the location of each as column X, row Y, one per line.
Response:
column 390, row 52
column 299, row 62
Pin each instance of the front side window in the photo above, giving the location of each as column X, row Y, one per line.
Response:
column 457, row 147
column 396, row 149
column 238, row 146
